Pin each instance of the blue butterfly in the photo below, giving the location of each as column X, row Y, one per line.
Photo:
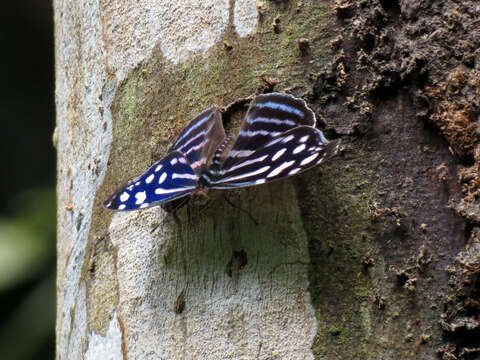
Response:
column 277, row 139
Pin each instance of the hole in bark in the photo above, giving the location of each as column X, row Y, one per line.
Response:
column 237, row 262
column 392, row 5
column 368, row 43
column 402, row 278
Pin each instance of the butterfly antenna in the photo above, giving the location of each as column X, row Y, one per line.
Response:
column 172, row 208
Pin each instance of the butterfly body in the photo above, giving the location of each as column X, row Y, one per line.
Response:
column 277, row 139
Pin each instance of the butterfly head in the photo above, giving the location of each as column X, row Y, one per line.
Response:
column 200, row 196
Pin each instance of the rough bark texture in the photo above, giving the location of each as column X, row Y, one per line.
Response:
column 374, row 255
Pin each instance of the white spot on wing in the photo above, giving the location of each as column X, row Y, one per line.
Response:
column 274, row 141
column 281, row 106
column 121, row 207
column 160, row 191
column 124, row 197
column 140, row 196
column 304, row 138
column 162, row 177
column 194, row 148
column 242, row 176
column 245, row 163
column 299, row 148
column 309, row 159
column 191, row 128
column 287, row 139
column 184, row 176
column 278, row 154
column 184, row 145
column 248, row 133
column 240, row 153
column 143, row 206
column 198, row 163
column 320, row 160
column 173, row 161
column 294, row 171
column 149, row 179
column 279, row 169
column 271, row 121
column 158, row 168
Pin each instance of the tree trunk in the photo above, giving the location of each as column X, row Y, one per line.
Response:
column 375, row 255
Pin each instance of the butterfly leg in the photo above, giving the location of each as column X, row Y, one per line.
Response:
column 176, row 218
column 242, row 210
column 184, row 202
column 189, row 211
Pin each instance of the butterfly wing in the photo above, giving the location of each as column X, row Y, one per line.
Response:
column 167, row 180
column 200, row 138
column 176, row 175
column 287, row 154
column 277, row 139
column 268, row 116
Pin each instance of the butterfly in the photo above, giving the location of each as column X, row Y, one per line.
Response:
column 277, row 139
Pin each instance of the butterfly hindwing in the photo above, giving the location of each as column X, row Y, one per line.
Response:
column 287, row 154
column 268, row 116
column 167, row 180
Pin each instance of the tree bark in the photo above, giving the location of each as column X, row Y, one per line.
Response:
column 370, row 256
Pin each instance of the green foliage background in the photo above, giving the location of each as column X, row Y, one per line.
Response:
column 27, row 184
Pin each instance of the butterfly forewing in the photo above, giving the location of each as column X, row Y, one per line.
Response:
column 200, row 138
column 285, row 155
column 170, row 178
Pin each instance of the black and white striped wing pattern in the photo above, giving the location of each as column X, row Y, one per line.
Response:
column 169, row 179
column 277, row 139
column 199, row 140
column 285, row 155
column 268, row 116
column 177, row 174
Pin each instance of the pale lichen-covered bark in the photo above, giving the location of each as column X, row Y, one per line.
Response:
column 262, row 309
column 84, row 134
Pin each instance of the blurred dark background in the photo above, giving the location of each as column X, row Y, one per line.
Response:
column 27, row 186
